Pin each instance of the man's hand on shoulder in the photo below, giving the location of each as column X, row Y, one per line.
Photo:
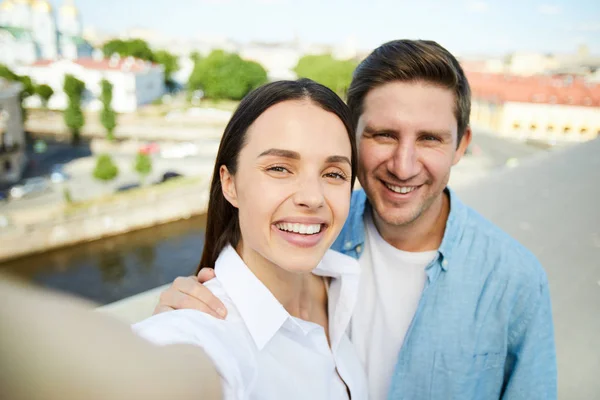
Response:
column 190, row 293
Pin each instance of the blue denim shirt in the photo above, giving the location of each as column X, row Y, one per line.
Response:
column 483, row 328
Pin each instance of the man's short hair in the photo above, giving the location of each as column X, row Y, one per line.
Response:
column 411, row 61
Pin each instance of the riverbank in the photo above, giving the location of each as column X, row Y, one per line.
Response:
column 71, row 224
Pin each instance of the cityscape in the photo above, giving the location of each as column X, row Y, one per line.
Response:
column 108, row 141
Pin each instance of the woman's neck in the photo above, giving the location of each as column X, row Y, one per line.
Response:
column 303, row 295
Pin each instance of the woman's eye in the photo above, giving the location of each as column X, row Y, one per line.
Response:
column 336, row 175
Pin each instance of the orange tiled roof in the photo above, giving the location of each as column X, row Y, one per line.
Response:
column 566, row 90
column 122, row 64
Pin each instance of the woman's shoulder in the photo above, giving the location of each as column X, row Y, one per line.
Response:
column 226, row 342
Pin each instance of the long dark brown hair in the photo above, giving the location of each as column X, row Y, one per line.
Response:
column 222, row 225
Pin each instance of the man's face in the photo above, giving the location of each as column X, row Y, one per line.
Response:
column 407, row 144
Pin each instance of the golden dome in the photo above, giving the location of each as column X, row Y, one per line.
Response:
column 69, row 9
column 6, row 5
column 42, row 6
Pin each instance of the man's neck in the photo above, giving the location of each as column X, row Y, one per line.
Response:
column 423, row 234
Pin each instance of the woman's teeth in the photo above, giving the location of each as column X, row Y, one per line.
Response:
column 303, row 229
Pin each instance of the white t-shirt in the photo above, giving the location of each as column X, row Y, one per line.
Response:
column 260, row 350
column 391, row 284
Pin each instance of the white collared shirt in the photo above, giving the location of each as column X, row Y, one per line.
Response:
column 260, row 350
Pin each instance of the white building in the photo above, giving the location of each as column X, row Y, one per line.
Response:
column 135, row 82
column 30, row 31
column 12, row 136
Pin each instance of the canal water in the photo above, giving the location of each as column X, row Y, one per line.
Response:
column 111, row 269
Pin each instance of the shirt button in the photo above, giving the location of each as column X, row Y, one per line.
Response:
column 445, row 263
column 358, row 248
column 348, row 245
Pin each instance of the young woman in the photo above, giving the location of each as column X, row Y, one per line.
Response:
column 280, row 195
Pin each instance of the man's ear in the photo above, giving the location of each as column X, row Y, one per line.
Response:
column 228, row 186
column 465, row 141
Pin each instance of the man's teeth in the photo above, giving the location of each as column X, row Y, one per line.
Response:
column 302, row 229
column 401, row 189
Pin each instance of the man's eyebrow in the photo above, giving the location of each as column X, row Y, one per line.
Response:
column 338, row 159
column 371, row 129
column 442, row 133
column 280, row 153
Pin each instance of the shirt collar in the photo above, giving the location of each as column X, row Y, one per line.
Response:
column 262, row 313
column 353, row 232
column 454, row 228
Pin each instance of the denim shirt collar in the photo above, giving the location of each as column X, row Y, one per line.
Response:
column 352, row 236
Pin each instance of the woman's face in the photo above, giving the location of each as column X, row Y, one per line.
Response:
column 292, row 185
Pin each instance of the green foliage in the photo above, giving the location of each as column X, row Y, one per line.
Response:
column 45, row 92
column 195, row 56
column 137, row 48
column 28, row 87
column 105, row 170
column 73, row 116
column 108, row 116
column 143, row 164
column 223, row 75
column 67, row 195
column 170, row 62
column 335, row 74
column 8, row 74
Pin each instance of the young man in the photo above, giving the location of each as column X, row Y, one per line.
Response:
column 450, row 306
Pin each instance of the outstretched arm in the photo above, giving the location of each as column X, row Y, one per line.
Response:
column 54, row 347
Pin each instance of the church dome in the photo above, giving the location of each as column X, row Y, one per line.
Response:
column 42, row 6
column 6, row 5
column 69, row 9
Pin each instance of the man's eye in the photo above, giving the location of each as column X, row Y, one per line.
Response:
column 431, row 138
column 277, row 168
column 384, row 135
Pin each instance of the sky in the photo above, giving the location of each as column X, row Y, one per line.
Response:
column 466, row 27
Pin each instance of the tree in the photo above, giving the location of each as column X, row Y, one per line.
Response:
column 105, row 170
column 73, row 116
column 137, row 48
column 143, row 165
column 171, row 64
column 25, row 81
column 44, row 92
column 335, row 74
column 224, row 75
column 108, row 116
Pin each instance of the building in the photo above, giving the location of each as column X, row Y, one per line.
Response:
column 30, row 31
column 135, row 82
column 12, row 136
column 550, row 109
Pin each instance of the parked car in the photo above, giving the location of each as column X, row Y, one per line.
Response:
column 58, row 174
column 150, row 148
column 179, row 150
column 169, row 175
column 29, row 187
column 128, row 186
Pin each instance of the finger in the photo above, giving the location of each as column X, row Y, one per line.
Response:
column 205, row 275
column 184, row 301
column 198, row 291
column 173, row 299
column 161, row 309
